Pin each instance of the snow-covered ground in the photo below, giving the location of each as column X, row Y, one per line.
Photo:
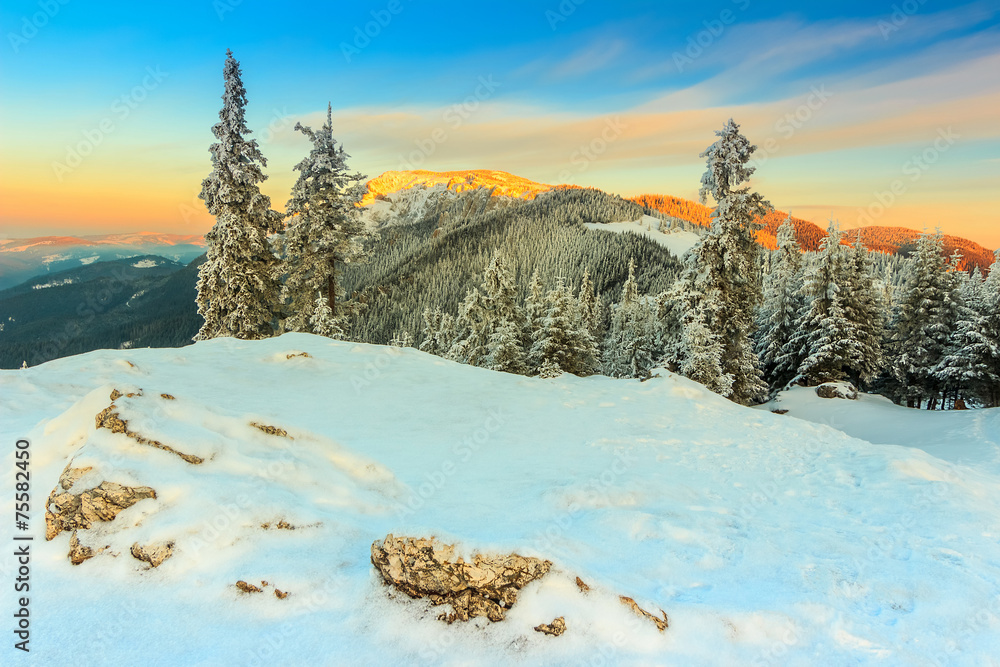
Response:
column 768, row 540
column 677, row 242
column 969, row 437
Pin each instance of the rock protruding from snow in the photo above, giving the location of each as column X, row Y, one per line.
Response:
column 555, row 628
column 488, row 586
column 244, row 587
column 79, row 511
column 78, row 552
column 110, row 419
column 661, row 623
column 844, row 390
column 154, row 554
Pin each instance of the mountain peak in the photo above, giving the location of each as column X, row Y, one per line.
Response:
column 504, row 184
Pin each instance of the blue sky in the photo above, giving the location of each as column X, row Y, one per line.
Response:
column 897, row 72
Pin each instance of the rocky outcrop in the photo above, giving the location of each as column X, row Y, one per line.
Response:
column 844, row 390
column 110, row 419
column 271, row 430
column 154, row 554
column 79, row 511
column 661, row 623
column 488, row 586
column 555, row 628
column 244, row 587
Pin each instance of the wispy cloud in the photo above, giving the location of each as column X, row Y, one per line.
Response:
column 595, row 57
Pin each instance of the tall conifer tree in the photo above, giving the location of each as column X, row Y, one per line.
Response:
column 324, row 232
column 238, row 283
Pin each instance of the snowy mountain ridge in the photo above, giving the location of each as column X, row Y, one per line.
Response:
column 767, row 539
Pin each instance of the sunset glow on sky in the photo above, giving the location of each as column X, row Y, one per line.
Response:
column 869, row 113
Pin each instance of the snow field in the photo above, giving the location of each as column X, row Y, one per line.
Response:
column 766, row 539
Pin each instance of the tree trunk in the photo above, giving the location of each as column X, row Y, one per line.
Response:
column 331, row 289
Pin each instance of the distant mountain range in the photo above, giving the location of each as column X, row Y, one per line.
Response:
column 23, row 259
column 143, row 301
column 889, row 240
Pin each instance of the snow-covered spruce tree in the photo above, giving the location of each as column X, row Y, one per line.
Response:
column 703, row 352
column 589, row 305
column 723, row 273
column 505, row 350
column 430, row 331
column 826, row 337
column 534, row 313
column 472, row 331
column 324, row 231
column 484, row 314
column 783, row 305
column 629, row 348
column 403, row 338
column 991, row 332
column 322, row 322
column 669, row 332
column 923, row 324
column 562, row 340
column 238, row 283
column 864, row 308
column 967, row 370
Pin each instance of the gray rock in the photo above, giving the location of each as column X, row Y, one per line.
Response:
column 844, row 390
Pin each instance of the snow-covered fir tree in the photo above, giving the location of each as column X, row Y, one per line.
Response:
column 534, row 313
column 669, row 331
column 864, row 307
column 238, row 283
column 827, row 338
column 403, row 338
column 563, row 340
column 782, row 308
column 723, row 273
column 589, row 305
column 703, row 351
column 483, row 314
column 438, row 332
column 322, row 321
column 431, row 330
column 472, row 331
column 967, row 371
column 324, row 231
column 990, row 351
column 927, row 311
column 629, row 350
column 505, row 349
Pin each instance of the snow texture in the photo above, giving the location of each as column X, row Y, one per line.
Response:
column 677, row 242
column 768, row 540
